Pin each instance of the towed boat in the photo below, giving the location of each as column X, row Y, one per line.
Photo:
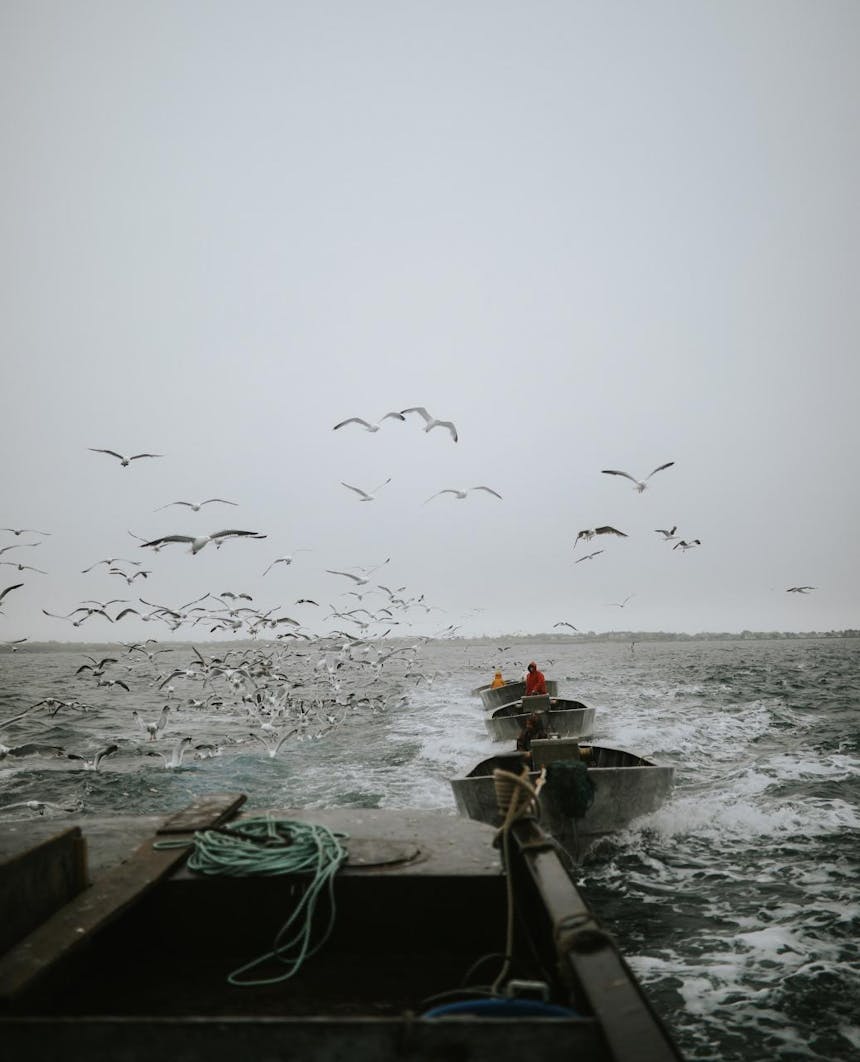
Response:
column 425, row 947
column 590, row 790
column 510, row 692
column 562, row 717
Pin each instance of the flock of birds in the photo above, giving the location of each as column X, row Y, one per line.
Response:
column 289, row 685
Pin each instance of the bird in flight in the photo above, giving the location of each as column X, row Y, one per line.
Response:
column 589, row 556
column 363, row 494
column 684, row 546
column 366, row 423
column 588, row 535
column 620, row 604
column 24, row 567
column 288, row 559
column 124, row 461
column 25, row 531
column 564, row 623
column 668, row 536
column 198, row 542
column 638, row 484
column 196, row 506
column 18, row 545
column 461, row 494
column 800, row 589
column 9, row 589
column 431, row 422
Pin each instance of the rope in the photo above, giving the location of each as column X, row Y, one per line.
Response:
column 265, row 846
column 516, row 798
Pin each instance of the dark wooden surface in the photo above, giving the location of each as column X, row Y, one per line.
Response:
column 73, row 924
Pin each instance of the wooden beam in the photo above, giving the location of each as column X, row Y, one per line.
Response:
column 115, row 892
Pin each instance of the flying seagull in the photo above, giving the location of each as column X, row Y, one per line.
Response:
column 288, row 559
column 588, row 556
column 124, row 461
column 431, row 422
column 363, row 494
column 152, row 729
column 9, row 589
column 800, row 589
column 196, row 506
column 94, row 763
column 25, row 531
column 588, row 535
column 198, row 542
column 461, row 494
column 684, row 546
column 564, row 623
column 620, row 604
column 668, row 536
column 638, row 484
column 366, row 423
column 24, row 567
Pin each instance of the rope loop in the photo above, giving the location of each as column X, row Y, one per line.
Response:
column 264, row 846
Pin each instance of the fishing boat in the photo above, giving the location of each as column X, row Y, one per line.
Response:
column 590, row 790
column 509, row 693
column 425, row 949
column 561, row 717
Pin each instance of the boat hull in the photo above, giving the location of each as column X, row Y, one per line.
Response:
column 510, row 692
column 565, row 718
column 625, row 788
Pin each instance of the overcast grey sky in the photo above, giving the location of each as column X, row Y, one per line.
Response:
column 593, row 235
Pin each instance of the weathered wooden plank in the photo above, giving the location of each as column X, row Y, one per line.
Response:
column 78, row 921
column 36, row 881
column 206, row 811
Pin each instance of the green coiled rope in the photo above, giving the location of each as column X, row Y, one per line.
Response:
column 266, row 846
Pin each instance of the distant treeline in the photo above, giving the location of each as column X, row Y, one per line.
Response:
column 515, row 639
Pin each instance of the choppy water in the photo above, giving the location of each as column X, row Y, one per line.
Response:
column 736, row 903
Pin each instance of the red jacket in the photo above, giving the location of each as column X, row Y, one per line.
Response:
column 535, row 683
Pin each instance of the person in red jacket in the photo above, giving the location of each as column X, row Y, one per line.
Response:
column 535, row 681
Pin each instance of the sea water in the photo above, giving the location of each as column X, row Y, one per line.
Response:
column 736, row 903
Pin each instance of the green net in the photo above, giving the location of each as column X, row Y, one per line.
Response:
column 570, row 786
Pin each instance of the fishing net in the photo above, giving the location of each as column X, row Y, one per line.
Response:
column 571, row 787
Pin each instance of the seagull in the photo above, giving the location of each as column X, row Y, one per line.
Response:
column 432, row 422
column 288, row 559
column 129, row 577
column 364, row 495
column 124, row 461
column 110, row 562
column 43, row 805
column 24, row 531
column 461, row 494
column 198, row 542
column 176, row 753
column 24, row 567
column 152, row 729
column 196, row 506
column 360, row 580
column 9, row 589
column 620, row 604
column 13, row 645
column 366, row 424
column 588, row 556
column 97, row 666
column 638, row 485
column 588, row 535
column 94, row 763
column 18, row 545
column 684, row 546
column 564, row 623
column 275, row 743
column 668, row 536
column 800, row 589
